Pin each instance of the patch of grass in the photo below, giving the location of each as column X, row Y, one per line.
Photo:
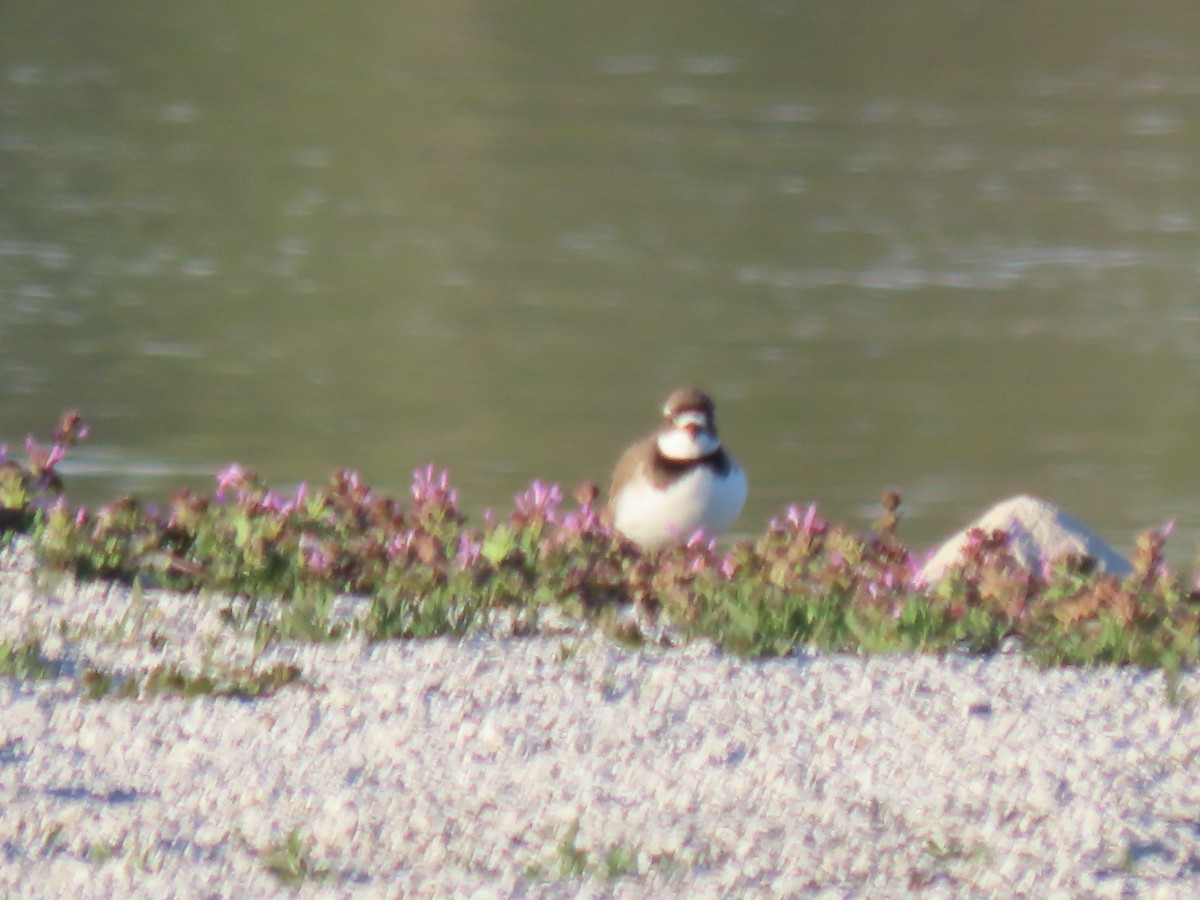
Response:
column 25, row 661
column 95, row 684
column 306, row 617
column 425, row 570
column 568, row 650
column 945, row 855
column 133, row 620
column 291, row 863
column 101, row 853
column 618, row 862
column 953, row 850
column 243, row 683
column 570, row 861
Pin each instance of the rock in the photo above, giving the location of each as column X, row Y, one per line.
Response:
column 1038, row 531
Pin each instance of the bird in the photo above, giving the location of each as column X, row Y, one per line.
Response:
column 669, row 484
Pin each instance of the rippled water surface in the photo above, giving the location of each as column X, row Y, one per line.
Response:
column 949, row 248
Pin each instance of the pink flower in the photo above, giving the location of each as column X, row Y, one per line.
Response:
column 58, row 453
column 469, row 550
column 806, row 523
column 431, row 487
column 539, row 501
column 232, row 476
column 317, row 561
column 401, row 543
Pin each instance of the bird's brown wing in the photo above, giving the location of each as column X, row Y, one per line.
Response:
column 636, row 462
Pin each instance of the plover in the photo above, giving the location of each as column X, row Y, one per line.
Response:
column 677, row 480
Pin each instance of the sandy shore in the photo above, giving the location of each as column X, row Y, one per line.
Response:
column 564, row 766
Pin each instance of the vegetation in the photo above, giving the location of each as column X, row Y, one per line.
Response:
column 572, row 862
column 423, row 570
column 291, row 863
column 242, row 682
column 24, row 661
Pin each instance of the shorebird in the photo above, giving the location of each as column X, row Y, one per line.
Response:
column 671, row 483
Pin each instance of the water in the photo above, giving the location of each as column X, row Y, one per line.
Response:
column 948, row 248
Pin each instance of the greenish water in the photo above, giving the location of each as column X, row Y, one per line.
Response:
column 949, row 248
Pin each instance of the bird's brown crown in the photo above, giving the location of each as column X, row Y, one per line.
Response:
column 688, row 399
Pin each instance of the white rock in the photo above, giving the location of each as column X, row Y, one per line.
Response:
column 1038, row 530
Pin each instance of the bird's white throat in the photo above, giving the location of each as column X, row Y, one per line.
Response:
column 681, row 445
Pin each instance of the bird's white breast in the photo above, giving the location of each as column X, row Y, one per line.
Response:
column 652, row 516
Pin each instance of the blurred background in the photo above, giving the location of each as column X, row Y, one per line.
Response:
column 949, row 248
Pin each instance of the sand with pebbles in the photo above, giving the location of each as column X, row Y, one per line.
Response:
column 563, row 765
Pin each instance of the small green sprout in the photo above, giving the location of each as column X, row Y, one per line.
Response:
column 291, row 864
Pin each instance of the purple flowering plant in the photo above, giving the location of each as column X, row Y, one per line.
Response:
column 427, row 569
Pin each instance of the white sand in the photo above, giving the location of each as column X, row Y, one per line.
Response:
column 458, row 769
